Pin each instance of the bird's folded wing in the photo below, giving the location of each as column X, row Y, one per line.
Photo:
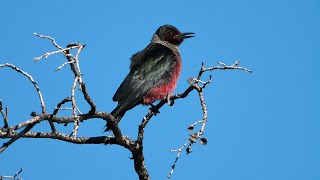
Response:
column 153, row 68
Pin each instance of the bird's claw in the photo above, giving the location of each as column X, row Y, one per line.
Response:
column 169, row 101
column 154, row 109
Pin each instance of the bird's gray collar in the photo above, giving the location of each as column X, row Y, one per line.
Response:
column 156, row 39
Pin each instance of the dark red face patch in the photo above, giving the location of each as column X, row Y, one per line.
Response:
column 173, row 37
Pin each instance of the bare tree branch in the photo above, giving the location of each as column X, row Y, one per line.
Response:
column 28, row 128
column 76, row 140
column 135, row 146
column 195, row 83
column 16, row 137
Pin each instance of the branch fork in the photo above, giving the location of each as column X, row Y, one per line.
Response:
column 76, row 117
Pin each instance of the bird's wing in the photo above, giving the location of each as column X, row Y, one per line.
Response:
column 155, row 63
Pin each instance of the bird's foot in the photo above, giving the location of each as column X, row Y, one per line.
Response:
column 169, row 101
column 154, row 109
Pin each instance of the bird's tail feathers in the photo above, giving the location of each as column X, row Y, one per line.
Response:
column 120, row 110
column 117, row 113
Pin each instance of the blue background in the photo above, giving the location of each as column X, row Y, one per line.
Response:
column 262, row 126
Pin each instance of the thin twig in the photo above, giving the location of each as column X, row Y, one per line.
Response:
column 32, row 81
column 65, row 108
column 177, row 158
column 6, row 121
column 76, row 127
column 72, row 61
column 194, row 82
column 205, row 113
column 191, row 126
column 77, row 73
column 193, row 137
column 50, row 38
column 4, row 115
column 58, row 107
column 18, row 173
column 74, row 107
column 47, row 54
column 73, row 99
column 77, row 63
column 65, row 63
column 12, row 177
column 55, row 112
column 226, row 67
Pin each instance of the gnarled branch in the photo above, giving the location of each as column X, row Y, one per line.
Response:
column 135, row 146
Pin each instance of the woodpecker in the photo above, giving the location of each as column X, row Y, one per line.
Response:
column 154, row 71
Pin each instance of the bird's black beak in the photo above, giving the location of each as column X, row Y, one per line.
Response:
column 183, row 36
column 187, row 35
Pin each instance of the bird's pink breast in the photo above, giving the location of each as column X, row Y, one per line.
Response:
column 161, row 92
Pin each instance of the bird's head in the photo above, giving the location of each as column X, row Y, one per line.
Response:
column 172, row 35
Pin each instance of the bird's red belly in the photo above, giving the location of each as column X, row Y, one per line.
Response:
column 158, row 93
column 161, row 92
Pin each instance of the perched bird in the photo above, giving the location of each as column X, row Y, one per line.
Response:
column 154, row 71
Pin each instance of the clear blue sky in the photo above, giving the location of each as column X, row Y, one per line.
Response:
column 261, row 126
